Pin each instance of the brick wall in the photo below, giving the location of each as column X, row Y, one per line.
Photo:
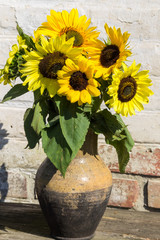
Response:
column 139, row 188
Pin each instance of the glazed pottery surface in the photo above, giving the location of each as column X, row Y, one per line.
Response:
column 74, row 205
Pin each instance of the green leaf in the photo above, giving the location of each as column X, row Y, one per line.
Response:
column 20, row 31
column 96, row 103
column 39, row 117
column 116, row 134
column 15, row 91
column 53, row 111
column 106, row 123
column 74, row 123
column 31, row 135
column 87, row 108
column 37, row 96
column 124, row 146
column 123, row 154
column 56, row 147
column 129, row 142
column 28, row 39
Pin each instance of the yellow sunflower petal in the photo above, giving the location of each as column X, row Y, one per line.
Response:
column 85, row 97
column 75, row 96
column 93, row 90
column 63, row 90
column 53, row 88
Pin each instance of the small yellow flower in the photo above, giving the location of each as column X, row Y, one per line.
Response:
column 21, row 42
column 106, row 57
column 4, row 73
column 16, row 48
column 77, row 83
column 36, row 37
column 4, row 77
column 72, row 25
column 129, row 89
column 43, row 64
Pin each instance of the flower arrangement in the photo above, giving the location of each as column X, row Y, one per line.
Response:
column 71, row 73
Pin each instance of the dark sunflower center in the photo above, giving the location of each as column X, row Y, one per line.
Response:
column 78, row 81
column 78, row 37
column 127, row 89
column 109, row 55
column 51, row 63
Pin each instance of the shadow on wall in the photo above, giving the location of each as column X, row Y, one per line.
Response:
column 3, row 172
column 3, row 135
column 3, row 182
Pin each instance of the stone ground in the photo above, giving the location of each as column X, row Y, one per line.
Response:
column 26, row 222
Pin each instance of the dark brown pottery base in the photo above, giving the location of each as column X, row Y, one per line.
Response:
column 83, row 238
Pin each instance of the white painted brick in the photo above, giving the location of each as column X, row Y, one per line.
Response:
column 144, row 126
column 5, row 46
column 3, row 90
column 90, row 3
column 137, row 22
column 12, row 184
column 125, row 18
column 154, row 100
column 148, row 54
column 28, row 14
column 12, row 120
column 14, row 155
column 17, row 185
column 7, row 20
column 149, row 19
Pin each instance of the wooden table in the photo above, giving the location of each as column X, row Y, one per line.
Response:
column 26, row 222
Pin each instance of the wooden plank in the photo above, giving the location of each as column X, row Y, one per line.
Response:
column 115, row 236
column 17, row 235
column 139, row 224
column 10, row 234
column 23, row 217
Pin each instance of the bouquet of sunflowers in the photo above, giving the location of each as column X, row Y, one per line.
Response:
column 71, row 73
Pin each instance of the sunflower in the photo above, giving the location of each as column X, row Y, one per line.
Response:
column 6, row 74
column 107, row 56
column 72, row 25
column 76, row 81
column 43, row 64
column 129, row 89
column 4, row 77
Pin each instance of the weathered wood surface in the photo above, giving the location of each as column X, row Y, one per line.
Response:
column 26, row 222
